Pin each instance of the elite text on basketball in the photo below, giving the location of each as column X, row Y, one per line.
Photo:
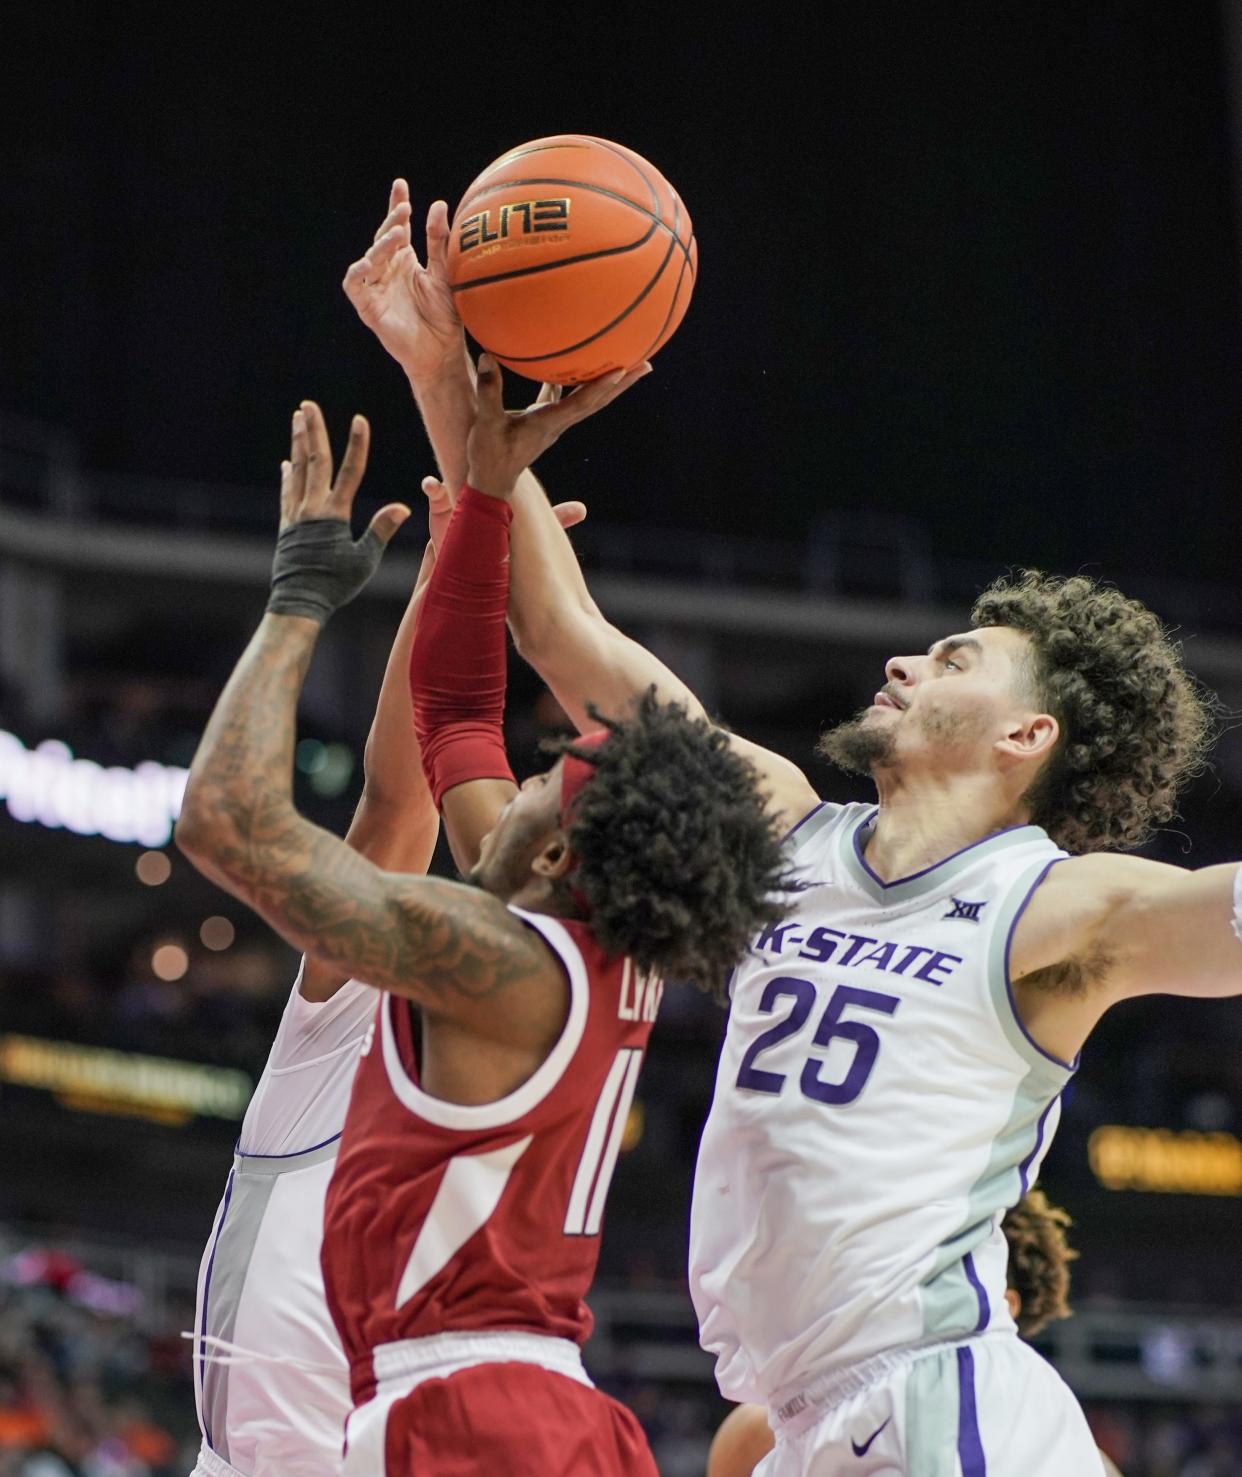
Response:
column 518, row 219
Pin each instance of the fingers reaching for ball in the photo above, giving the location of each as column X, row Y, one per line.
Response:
column 502, row 443
column 438, row 239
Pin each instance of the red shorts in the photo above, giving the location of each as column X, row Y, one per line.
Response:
column 514, row 1419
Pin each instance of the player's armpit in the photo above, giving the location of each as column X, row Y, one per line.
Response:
column 1105, row 928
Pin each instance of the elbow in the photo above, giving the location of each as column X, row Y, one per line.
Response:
column 538, row 636
column 204, row 833
column 191, row 834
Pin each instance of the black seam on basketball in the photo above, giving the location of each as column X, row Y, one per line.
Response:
column 625, row 159
column 575, row 184
column 588, row 140
column 566, row 261
column 599, row 333
column 681, row 277
column 521, row 154
column 662, row 337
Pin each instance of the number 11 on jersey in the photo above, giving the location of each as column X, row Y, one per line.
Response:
column 603, row 1144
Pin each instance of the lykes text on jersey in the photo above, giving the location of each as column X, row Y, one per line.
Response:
column 844, row 950
column 640, row 995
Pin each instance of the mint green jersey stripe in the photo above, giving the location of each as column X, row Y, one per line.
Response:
column 948, row 1298
column 932, row 1399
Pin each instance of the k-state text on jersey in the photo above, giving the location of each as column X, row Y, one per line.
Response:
column 833, row 945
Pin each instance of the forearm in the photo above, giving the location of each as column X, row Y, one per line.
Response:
column 392, row 764
column 562, row 633
column 457, row 658
column 446, row 404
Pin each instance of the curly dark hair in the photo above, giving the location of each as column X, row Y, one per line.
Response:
column 1134, row 724
column 678, row 859
column 1039, row 1258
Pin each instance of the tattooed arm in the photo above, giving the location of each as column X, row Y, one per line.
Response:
column 455, row 950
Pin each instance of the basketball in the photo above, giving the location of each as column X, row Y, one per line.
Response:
column 571, row 257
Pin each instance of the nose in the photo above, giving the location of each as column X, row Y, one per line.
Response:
column 900, row 670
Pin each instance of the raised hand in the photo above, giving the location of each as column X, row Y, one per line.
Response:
column 408, row 306
column 502, row 443
column 318, row 566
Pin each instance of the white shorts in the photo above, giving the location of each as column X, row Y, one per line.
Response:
column 989, row 1407
column 211, row 1465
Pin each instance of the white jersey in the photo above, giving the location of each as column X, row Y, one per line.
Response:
column 878, row 1107
column 270, row 1379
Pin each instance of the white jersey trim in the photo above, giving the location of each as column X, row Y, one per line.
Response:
column 472, row 1117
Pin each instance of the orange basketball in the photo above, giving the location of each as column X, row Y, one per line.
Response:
column 570, row 257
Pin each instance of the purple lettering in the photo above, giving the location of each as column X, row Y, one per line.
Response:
column 859, row 940
column 938, row 961
column 881, row 956
column 774, row 936
column 821, row 944
column 908, row 958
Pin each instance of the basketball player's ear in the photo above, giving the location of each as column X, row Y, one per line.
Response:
column 1034, row 736
column 555, row 860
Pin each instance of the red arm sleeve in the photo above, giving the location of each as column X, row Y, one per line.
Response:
column 458, row 659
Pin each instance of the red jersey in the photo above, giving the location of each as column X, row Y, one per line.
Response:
column 443, row 1217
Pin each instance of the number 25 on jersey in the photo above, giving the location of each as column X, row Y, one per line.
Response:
column 832, row 1026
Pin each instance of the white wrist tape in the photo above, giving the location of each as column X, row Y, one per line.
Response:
column 1237, row 903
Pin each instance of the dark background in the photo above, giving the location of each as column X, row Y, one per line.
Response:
column 973, row 264
column 968, row 272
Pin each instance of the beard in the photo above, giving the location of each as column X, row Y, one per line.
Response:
column 858, row 747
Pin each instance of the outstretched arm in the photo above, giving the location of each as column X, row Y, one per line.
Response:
column 584, row 658
column 557, row 626
column 1102, row 929
column 457, row 951
column 458, row 661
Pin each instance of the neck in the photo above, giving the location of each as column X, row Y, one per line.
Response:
column 543, row 895
column 924, row 819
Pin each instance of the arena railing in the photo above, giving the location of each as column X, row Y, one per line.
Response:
column 857, row 577
column 1127, row 1352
